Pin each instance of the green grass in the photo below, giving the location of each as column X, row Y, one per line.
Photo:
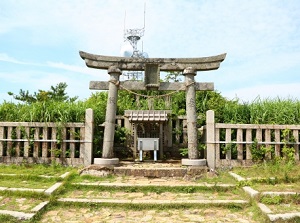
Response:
column 30, row 176
column 293, row 187
column 18, row 203
column 34, row 169
column 27, row 181
column 222, row 177
column 282, row 203
column 263, row 172
column 76, row 178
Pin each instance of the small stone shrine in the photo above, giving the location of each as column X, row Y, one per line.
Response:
column 152, row 68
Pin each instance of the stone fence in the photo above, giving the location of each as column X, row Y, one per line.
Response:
column 238, row 144
column 38, row 142
column 71, row 143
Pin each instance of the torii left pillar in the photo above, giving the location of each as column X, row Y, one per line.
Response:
column 191, row 116
column 110, row 120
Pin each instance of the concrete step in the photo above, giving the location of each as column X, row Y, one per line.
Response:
column 153, row 202
column 147, row 169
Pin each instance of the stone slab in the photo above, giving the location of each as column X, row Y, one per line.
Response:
column 84, row 200
column 151, row 172
column 237, row 177
column 106, row 161
column 17, row 214
column 40, row 206
column 65, row 175
column 193, row 162
column 264, row 208
column 53, row 188
column 250, row 191
column 286, row 216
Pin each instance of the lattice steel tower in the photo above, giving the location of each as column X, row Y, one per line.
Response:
column 132, row 36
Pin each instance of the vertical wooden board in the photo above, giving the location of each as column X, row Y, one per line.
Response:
column 184, row 132
column 119, row 122
column 168, row 133
column 218, row 148
column 258, row 137
column 277, row 141
column 296, row 146
column 27, row 142
column 177, row 132
column 227, row 143
column 72, row 144
column 240, row 147
column 53, row 143
column 134, row 126
column 9, row 142
column 248, row 146
column 161, row 133
column 63, row 143
column 45, row 144
column 36, row 142
column 1, row 142
column 82, row 134
column 268, row 155
column 18, row 144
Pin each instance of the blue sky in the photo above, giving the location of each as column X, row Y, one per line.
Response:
column 40, row 41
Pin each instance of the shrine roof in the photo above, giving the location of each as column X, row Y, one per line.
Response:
column 147, row 115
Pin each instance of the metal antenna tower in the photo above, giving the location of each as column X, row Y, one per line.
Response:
column 133, row 36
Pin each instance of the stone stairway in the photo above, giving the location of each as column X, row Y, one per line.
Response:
column 165, row 199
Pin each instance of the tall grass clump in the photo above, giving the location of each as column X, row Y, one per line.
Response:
column 263, row 111
column 54, row 111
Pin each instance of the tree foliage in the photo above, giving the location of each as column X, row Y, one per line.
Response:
column 57, row 93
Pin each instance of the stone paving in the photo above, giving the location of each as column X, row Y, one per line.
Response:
column 208, row 206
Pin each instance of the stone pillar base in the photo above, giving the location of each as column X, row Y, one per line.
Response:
column 106, row 161
column 193, row 162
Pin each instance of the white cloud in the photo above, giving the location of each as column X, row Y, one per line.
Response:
column 74, row 68
column 261, row 38
column 4, row 57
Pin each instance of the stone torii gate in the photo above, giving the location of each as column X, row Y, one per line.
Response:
column 152, row 68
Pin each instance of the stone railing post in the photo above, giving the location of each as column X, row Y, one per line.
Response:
column 210, row 139
column 110, row 119
column 88, row 137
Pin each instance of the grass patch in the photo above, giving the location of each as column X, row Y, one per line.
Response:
column 35, row 169
column 292, row 187
column 8, row 219
column 223, row 177
column 282, row 203
column 25, row 194
column 18, row 203
column 264, row 172
column 27, row 181
column 76, row 178
column 147, row 189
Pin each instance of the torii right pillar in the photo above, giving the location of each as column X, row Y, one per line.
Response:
column 191, row 116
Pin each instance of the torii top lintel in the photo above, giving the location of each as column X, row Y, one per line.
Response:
column 165, row 64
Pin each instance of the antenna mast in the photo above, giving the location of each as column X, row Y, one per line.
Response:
column 133, row 36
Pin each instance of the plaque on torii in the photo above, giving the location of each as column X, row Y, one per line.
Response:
column 151, row 68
